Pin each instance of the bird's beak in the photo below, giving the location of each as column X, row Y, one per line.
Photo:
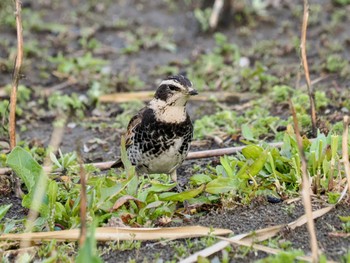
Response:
column 192, row 92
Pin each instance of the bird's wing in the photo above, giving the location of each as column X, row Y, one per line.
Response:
column 133, row 124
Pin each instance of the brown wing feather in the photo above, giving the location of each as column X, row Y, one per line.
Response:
column 133, row 123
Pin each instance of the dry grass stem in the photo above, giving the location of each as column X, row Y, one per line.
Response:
column 121, row 233
column 306, row 190
column 306, row 67
column 346, row 150
column 214, row 17
column 83, row 202
column 16, row 75
column 148, row 95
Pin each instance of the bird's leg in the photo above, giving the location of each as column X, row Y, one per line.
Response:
column 174, row 176
column 185, row 202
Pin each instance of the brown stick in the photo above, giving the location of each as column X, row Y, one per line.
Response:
column 16, row 76
column 306, row 67
column 214, row 17
column 148, row 95
column 346, row 150
column 82, row 236
column 305, row 193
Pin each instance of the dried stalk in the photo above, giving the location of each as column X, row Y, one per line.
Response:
column 214, row 17
column 306, row 67
column 305, row 193
column 82, row 236
column 148, row 95
column 346, row 150
column 16, row 75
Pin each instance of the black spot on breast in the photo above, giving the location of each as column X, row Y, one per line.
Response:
column 154, row 137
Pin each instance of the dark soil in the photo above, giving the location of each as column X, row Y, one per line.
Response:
column 281, row 26
column 245, row 219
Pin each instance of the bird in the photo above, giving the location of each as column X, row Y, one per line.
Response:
column 158, row 137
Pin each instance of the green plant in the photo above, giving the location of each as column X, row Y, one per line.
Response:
column 202, row 17
column 283, row 257
column 281, row 93
column 83, row 68
column 346, row 223
column 335, row 63
column 65, row 160
column 148, row 39
column 341, row 2
column 67, row 104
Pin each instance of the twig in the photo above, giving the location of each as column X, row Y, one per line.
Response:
column 222, row 151
column 16, row 76
column 305, row 193
column 82, row 236
column 346, row 150
column 214, row 17
column 148, row 95
column 70, row 81
column 306, row 67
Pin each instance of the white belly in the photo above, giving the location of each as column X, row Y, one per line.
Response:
column 168, row 161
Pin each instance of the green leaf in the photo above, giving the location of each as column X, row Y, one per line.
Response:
column 132, row 186
column 252, row 151
column 257, row 165
column 124, row 157
column 225, row 162
column 221, row 185
column 199, row 179
column 344, row 218
column 108, row 193
column 53, row 159
column 155, row 188
column 4, row 209
column 24, row 166
column 247, row 132
column 182, row 196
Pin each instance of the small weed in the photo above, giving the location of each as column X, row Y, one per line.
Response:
column 335, row 63
column 148, row 39
column 283, row 257
column 202, row 17
column 341, row 2
column 83, row 68
column 64, row 104
column 346, row 223
column 281, row 93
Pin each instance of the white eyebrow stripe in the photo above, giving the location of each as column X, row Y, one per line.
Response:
column 171, row 82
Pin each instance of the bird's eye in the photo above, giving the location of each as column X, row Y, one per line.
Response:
column 174, row 88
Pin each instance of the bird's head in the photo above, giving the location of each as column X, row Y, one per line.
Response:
column 175, row 91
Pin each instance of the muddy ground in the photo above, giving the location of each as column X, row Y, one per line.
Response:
column 177, row 22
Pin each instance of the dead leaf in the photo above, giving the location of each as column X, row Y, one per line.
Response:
column 122, row 200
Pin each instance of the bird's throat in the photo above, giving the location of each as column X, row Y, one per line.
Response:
column 168, row 113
